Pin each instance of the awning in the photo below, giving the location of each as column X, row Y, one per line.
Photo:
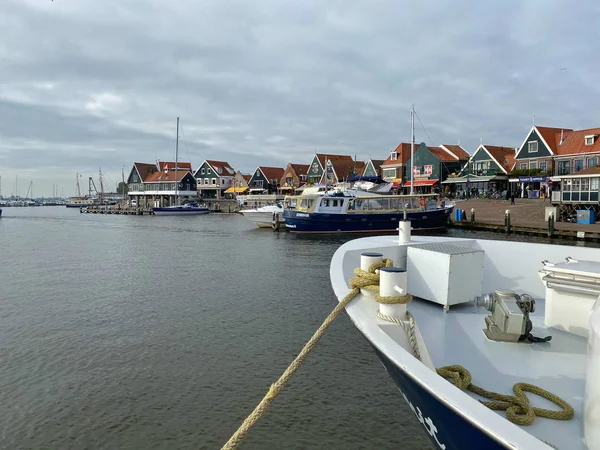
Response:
column 423, row 182
column 471, row 179
column 286, row 188
column 235, row 190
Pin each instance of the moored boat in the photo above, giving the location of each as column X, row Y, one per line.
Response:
column 264, row 216
column 358, row 212
column 190, row 208
column 499, row 296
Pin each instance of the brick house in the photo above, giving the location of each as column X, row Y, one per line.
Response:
column 294, row 176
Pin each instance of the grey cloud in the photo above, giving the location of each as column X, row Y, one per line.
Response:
column 87, row 84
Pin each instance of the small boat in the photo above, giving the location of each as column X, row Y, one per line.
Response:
column 362, row 212
column 190, row 208
column 507, row 312
column 81, row 202
column 264, row 216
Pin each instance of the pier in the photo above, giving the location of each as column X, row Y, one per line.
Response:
column 526, row 216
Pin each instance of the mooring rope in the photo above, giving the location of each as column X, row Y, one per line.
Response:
column 517, row 407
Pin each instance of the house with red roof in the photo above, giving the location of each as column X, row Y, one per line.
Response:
column 432, row 165
column 393, row 168
column 486, row 170
column 161, row 184
column 239, row 185
column 295, row 175
column 318, row 163
column 213, row 178
column 265, row 180
column 339, row 170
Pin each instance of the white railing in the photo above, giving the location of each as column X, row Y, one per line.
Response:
column 556, row 196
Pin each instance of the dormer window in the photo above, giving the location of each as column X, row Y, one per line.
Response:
column 532, row 146
column 202, row 171
column 394, row 156
column 589, row 140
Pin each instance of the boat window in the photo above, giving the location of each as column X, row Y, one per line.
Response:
column 325, row 202
column 333, row 202
column 303, row 203
column 310, row 203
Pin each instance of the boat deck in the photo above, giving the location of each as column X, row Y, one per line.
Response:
column 457, row 337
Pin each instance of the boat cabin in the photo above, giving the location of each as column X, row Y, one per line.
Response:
column 344, row 204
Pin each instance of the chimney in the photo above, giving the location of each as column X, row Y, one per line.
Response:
column 562, row 137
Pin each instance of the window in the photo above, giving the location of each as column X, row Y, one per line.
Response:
column 207, row 171
column 326, row 202
column 302, row 177
column 592, row 162
column 589, row 140
column 533, row 164
column 585, row 184
column 567, row 186
column 289, row 181
column 543, row 166
column 389, row 173
column 594, row 184
column 576, row 184
column 564, row 167
column 334, row 203
column 394, row 156
column 206, row 181
column 532, row 146
column 219, row 170
column 202, row 171
column 577, row 165
column 214, row 181
column 523, row 166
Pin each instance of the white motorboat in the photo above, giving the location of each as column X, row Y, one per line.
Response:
column 264, row 216
column 479, row 304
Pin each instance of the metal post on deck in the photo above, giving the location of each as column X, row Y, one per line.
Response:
column 507, row 221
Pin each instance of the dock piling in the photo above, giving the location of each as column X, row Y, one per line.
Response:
column 507, row 221
column 550, row 225
column 472, row 215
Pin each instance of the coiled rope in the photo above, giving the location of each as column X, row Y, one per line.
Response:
column 517, row 407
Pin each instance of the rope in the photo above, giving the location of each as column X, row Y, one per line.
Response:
column 517, row 407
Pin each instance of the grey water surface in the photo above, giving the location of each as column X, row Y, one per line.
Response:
column 128, row 332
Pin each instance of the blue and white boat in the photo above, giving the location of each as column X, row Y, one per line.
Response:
column 477, row 303
column 351, row 211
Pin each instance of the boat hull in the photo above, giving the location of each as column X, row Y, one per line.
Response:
column 262, row 219
column 79, row 205
column 180, row 211
column 446, row 428
column 298, row 222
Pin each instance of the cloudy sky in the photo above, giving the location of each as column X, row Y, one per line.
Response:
column 99, row 83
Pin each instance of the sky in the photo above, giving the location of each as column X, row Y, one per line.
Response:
column 90, row 84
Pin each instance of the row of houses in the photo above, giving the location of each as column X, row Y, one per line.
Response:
column 544, row 154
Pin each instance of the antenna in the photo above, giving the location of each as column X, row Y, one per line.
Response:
column 480, row 141
column 412, row 148
column 534, row 120
column 459, row 142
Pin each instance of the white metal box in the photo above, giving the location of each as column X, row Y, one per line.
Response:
column 550, row 210
column 444, row 273
column 572, row 287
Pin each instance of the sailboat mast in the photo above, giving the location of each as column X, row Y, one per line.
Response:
column 176, row 165
column 78, row 186
column 412, row 149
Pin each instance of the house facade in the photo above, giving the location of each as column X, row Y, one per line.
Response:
column 265, row 180
column 162, row 184
column 393, row 168
column 295, row 175
column 432, row 165
column 213, row 178
column 238, row 186
column 486, row 170
column 373, row 168
column 339, row 170
column 317, row 166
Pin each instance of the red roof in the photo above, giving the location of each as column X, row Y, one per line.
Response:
column 272, row 173
column 403, row 151
column 574, row 142
column 226, row 169
column 550, row 135
column 505, row 156
column 442, row 154
column 164, row 177
column 323, row 157
column 344, row 168
column 457, row 150
column 300, row 169
column 162, row 165
column 145, row 169
column 589, row 171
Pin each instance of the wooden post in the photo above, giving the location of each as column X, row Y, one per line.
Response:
column 550, row 224
column 507, row 221
column 472, row 215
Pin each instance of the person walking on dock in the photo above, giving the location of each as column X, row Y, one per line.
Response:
column 512, row 198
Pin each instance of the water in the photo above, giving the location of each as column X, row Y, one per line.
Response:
column 165, row 332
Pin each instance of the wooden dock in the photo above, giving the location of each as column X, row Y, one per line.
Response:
column 113, row 210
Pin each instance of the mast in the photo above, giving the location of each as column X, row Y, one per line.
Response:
column 412, row 149
column 101, row 184
column 78, row 186
column 176, row 165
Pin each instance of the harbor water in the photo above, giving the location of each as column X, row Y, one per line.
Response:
column 136, row 332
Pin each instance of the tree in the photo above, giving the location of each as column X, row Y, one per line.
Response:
column 122, row 188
